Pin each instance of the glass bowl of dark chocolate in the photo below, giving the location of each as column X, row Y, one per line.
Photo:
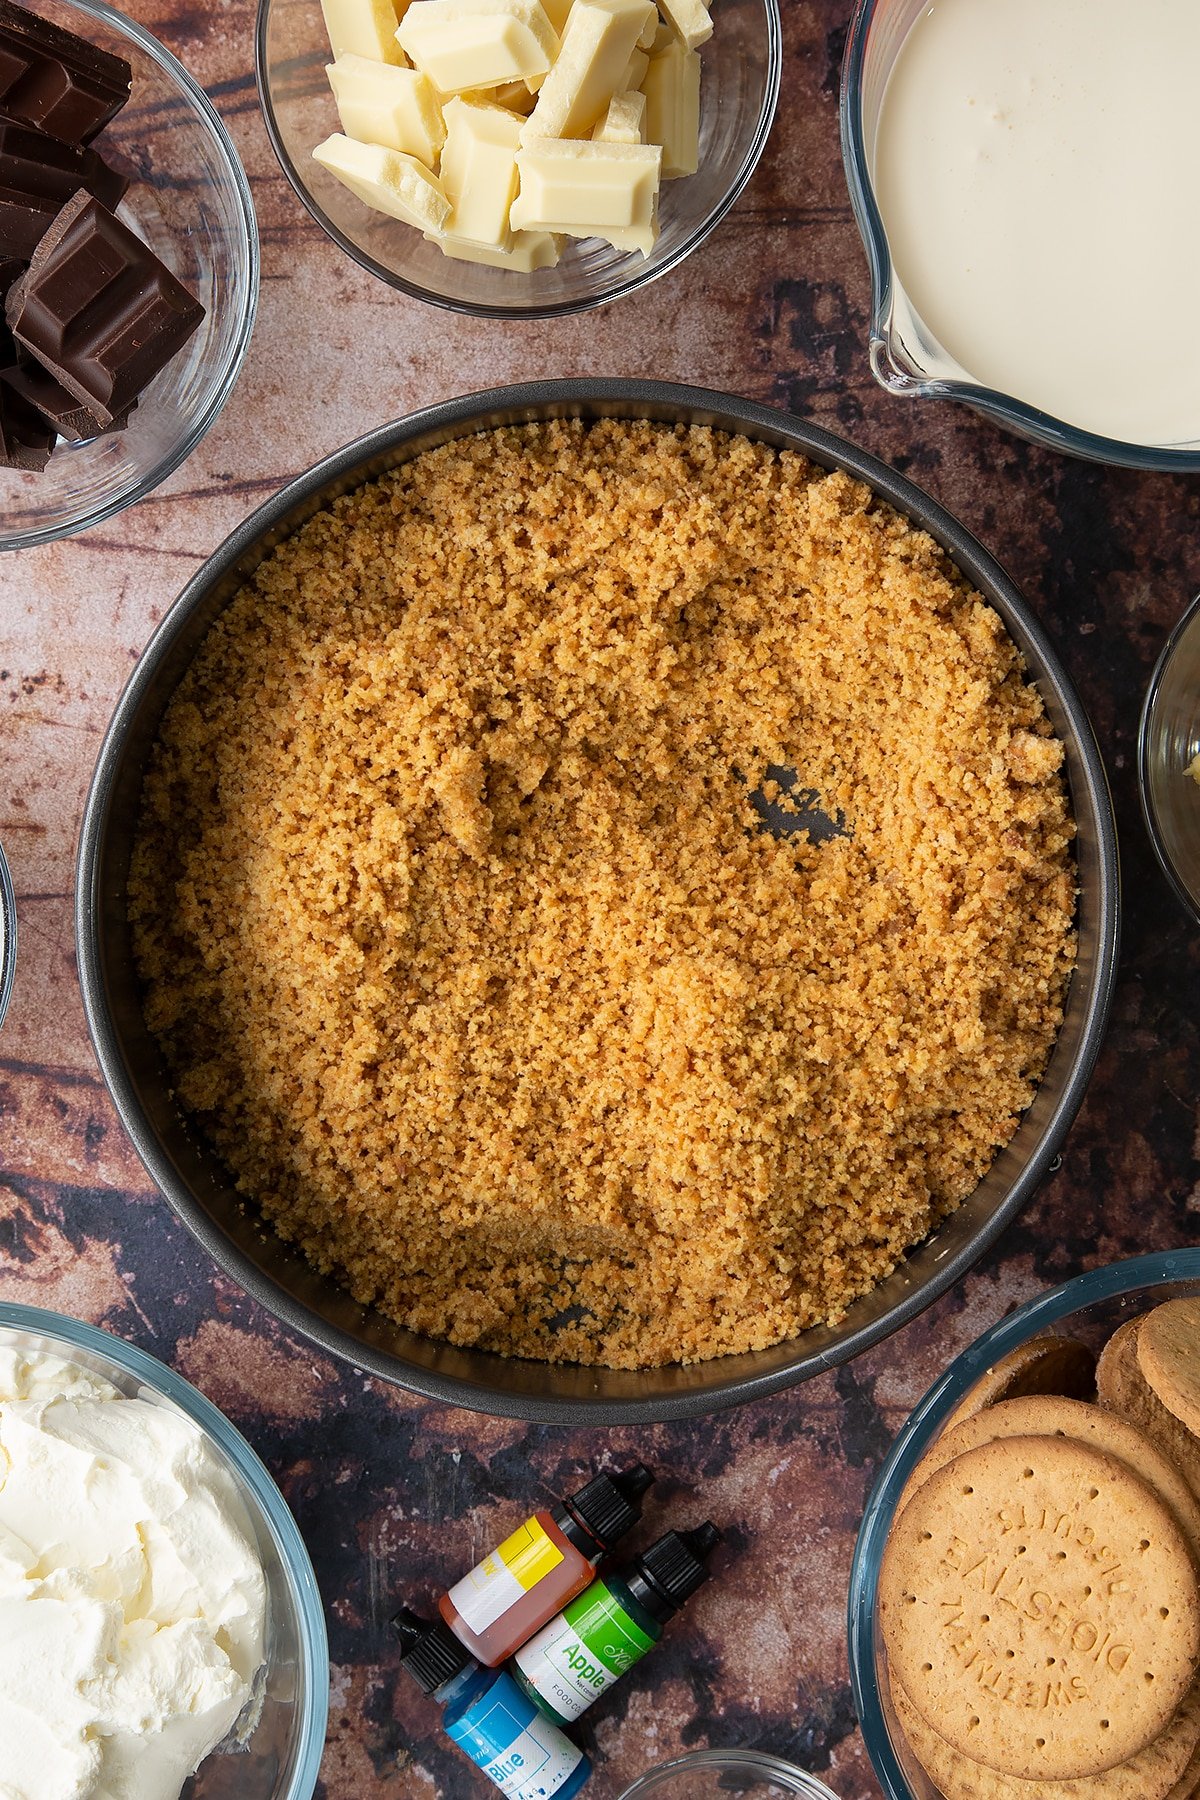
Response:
column 116, row 379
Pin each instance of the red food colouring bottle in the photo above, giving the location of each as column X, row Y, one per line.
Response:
column 539, row 1569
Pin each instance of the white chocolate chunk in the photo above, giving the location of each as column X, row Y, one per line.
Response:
column 527, row 250
column 514, row 95
column 639, row 237
column 557, row 12
column 691, row 20
column 387, row 180
column 650, row 31
column 672, row 90
column 624, row 122
column 466, row 44
column 589, row 190
column 381, row 104
column 600, row 38
column 479, row 171
column 363, row 28
column 635, row 74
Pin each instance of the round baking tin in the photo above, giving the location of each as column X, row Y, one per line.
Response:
column 191, row 1176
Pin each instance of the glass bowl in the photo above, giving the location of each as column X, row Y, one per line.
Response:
column 199, row 1188
column 8, row 936
column 282, row 1756
column 740, row 74
column 1090, row 1308
column 719, row 1774
column 906, row 357
column 189, row 199
column 1168, row 739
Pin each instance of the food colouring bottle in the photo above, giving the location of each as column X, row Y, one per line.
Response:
column 598, row 1637
column 536, row 1571
column 488, row 1716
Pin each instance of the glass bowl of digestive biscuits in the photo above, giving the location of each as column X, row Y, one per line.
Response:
column 1024, row 1599
column 650, row 123
column 128, row 222
column 505, row 1014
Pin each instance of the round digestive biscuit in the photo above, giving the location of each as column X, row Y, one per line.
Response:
column 1168, row 1351
column 1123, row 1388
column 1040, row 1606
column 1155, row 1773
column 1048, row 1415
column 1045, row 1365
column 1188, row 1785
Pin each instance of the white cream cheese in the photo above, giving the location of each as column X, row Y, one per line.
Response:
column 1037, row 167
column 132, row 1600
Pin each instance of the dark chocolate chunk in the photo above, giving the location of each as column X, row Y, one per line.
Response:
column 55, row 80
column 38, row 175
column 99, row 310
column 70, row 419
column 26, row 440
column 11, row 271
column 38, row 388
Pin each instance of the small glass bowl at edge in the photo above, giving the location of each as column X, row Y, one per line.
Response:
column 1168, row 739
column 8, row 936
column 720, row 1772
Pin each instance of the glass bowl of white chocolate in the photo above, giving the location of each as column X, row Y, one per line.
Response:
column 163, row 1631
column 518, row 158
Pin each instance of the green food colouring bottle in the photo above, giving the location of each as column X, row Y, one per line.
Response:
column 598, row 1637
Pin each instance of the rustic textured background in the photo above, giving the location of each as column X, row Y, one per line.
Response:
column 394, row 1496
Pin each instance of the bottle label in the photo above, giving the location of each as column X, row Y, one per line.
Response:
column 501, row 1579
column 506, row 1736
column 574, row 1658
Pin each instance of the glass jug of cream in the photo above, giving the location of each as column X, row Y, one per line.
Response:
column 1021, row 173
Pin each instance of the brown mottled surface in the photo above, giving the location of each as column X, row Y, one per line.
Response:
column 394, row 1495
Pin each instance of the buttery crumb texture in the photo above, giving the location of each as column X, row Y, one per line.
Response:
column 466, row 945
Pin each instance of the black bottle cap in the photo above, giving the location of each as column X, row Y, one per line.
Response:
column 610, row 1505
column 674, row 1567
column 430, row 1653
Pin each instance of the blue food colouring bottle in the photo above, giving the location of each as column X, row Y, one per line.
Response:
column 488, row 1716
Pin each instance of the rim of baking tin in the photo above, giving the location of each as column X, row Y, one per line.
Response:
column 447, row 420
column 123, row 25
column 1033, row 1319
column 639, row 277
column 313, row 1700
column 1002, row 409
column 757, row 1764
column 1166, row 862
column 8, row 935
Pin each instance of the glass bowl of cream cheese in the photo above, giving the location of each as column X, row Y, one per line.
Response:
column 1017, row 173
column 160, row 1625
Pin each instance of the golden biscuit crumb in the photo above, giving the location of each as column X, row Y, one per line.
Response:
column 465, row 943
